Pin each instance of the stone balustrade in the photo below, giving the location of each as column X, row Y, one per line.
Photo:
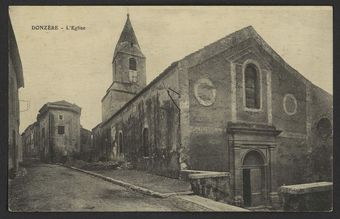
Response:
column 212, row 185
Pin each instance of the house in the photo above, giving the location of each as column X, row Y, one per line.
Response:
column 59, row 131
column 15, row 82
column 233, row 106
column 29, row 139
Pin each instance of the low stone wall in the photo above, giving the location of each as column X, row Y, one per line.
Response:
column 212, row 185
column 307, row 197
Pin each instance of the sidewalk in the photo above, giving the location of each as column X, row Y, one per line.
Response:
column 161, row 187
column 153, row 182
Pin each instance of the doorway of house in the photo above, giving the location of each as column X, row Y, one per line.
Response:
column 15, row 151
column 246, row 187
column 253, row 179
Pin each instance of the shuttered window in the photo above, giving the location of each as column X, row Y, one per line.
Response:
column 132, row 64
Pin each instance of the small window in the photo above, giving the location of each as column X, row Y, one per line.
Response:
column 252, row 87
column 132, row 64
column 145, row 142
column 61, row 129
column 120, row 142
column 61, row 117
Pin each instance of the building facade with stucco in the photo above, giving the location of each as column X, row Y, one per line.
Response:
column 30, row 143
column 15, row 82
column 233, row 106
column 59, row 131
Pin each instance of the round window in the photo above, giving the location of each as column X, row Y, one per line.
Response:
column 289, row 104
column 205, row 92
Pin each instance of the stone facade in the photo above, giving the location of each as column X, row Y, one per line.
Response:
column 148, row 132
column 85, row 144
column 30, row 144
column 15, row 81
column 59, row 128
column 128, row 72
column 234, row 106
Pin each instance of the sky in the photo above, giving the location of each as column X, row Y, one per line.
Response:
column 76, row 65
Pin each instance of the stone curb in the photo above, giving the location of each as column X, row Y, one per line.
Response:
column 131, row 186
column 179, row 196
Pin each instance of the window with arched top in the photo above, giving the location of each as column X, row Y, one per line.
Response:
column 145, row 142
column 120, row 143
column 253, row 158
column 132, row 64
column 252, row 87
column 324, row 128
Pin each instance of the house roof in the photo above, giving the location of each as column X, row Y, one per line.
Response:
column 122, row 87
column 62, row 105
column 14, row 55
column 234, row 39
column 29, row 127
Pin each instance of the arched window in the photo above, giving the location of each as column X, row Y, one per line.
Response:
column 120, row 142
column 132, row 64
column 324, row 128
column 145, row 142
column 253, row 158
column 252, row 87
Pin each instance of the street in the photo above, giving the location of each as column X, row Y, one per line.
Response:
column 48, row 187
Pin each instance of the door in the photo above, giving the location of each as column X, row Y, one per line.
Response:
column 253, row 179
column 246, row 188
column 15, row 151
column 257, row 186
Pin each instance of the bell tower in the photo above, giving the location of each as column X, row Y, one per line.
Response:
column 128, row 72
column 128, row 64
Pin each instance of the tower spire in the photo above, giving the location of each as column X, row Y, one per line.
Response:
column 127, row 37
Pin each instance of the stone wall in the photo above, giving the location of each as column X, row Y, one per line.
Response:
column 85, row 144
column 208, row 85
column 212, row 185
column 307, row 197
column 13, row 119
column 113, row 101
column 30, row 148
column 155, row 110
column 15, row 81
column 321, row 136
column 120, row 68
column 44, row 142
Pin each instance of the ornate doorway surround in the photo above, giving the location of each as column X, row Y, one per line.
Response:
column 252, row 158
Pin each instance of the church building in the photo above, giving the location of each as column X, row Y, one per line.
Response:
column 233, row 106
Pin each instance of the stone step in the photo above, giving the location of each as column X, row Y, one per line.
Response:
column 210, row 204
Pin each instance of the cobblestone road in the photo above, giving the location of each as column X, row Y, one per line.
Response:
column 48, row 187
